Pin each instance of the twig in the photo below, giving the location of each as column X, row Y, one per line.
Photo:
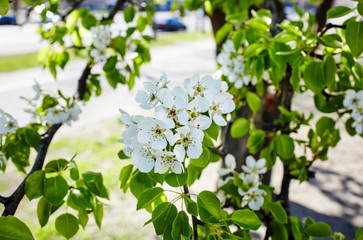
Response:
column 3, row 199
column 12, row 202
column 71, row 8
column 217, row 151
column 329, row 26
column 194, row 219
column 114, row 10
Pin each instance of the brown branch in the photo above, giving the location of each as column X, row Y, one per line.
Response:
column 321, row 13
column 3, row 199
column 12, row 202
column 217, row 151
column 72, row 7
column 329, row 26
column 114, row 10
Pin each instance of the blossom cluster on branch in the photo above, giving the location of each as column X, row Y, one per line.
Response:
column 176, row 132
column 354, row 101
column 249, row 180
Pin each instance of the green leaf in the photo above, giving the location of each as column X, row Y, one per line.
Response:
column 237, row 38
column 12, row 228
column 240, row 127
column 340, row 236
column 114, row 77
column 110, row 64
column 203, row 160
column 61, row 59
column 256, row 140
column 163, row 215
column 339, row 11
column 313, row 77
column 34, row 185
column 67, row 225
column 295, row 78
column 94, row 182
column 209, row 207
column 125, row 176
column 32, row 138
column 55, row 189
column 359, row 234
column 148, row 196
column 277, row 211
column 284, row 146
column 56, row 165
column 191, row 206
column 330, row 70
column 354, row 37
column 296, row 228
column 279, row 231
column 246, row 218
column 176, row 180
column 139, row 182
column 121, row 155
column 129, row 13
column 319, row 229
column 213, row 131
column 81, row 197
column 223, row 32
column 360, row 8
column 280, row 53
column 4, row 7
column 83, row 217
column 72, row 19
column 89, row 21
column 43, row 211
column 98, row 213
column 254, row 101
column 181, row 227
column 73, row 169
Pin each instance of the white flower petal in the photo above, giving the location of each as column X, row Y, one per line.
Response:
column 230, row 161
column 179, row 152
column 219, row 120
column 194, row 150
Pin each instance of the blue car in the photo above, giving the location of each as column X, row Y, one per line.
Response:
column 7, row 20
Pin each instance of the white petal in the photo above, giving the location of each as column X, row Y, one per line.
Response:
column 261, row 163
column 144, row 136
column 197, row 135
column 146, row 164
column 177, row 167
column 194, row 150
column 150, row 87
column 223, row 171
column 166, row 97
column 250, row 161
column 183, row 117
column 158, row 143
column 230, row 161
column 179, row 152
column 219, row 120
column 202, row 122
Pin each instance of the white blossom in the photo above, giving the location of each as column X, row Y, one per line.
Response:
column 188, row 140
column 99, row 55
column 354, row 100
column 154, row 132
column 254, row 167
column 148, row 98
column 167, row 160
column 8, row 124
column 205, row 86
column 249, row 180
column 101, row 36
column 143, row 159
column 56, row 115
column 220, row 104
column 253, row 198
column 230, row 162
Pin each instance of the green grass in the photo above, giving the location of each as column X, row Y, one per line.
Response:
column 29, row 60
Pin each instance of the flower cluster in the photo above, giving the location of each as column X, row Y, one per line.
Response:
column 232, row 66
column 101, row 39
column 181, row 115
column 354, row 100
column 57, row 113
column 252, row 195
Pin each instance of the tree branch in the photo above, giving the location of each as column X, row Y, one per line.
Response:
column 194, row 219
column 11, row 203
column 3, row 199
column 114, row 10
column 329, row 26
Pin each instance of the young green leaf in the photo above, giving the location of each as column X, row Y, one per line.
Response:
column 67, row 225
column 339, row 11
column 181, row 227
column 191, row 206
column 256, row 140
column 125, row 176
column 94, row 182
column 56, row 165
column 359, row 234
column 209, row 207
column 32, row 138
column 319, row 229
column 129, row 13
column 314, row 77
column 254, row 101
column 284, row 146
column 81, row 197
column 246, row 218
column 163, row 215
column 176, row 180
column 98, row 213
column 12, row 228
column 240, row 127
column 148, row 196
column 223, row 32
column 203, row 160
column 34, row 185
column 43, row 212
column 354, row 37
column 82, row 217
column 277, row 211
column 139, row 182
column 55, row 189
